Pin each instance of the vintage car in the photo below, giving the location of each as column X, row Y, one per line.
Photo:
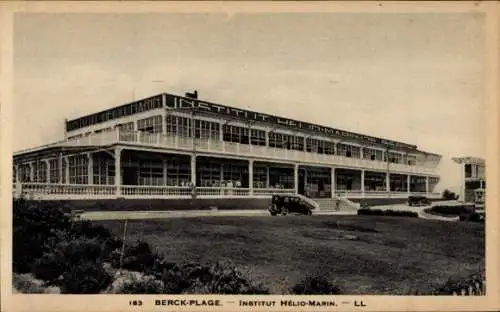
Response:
column 418, row 201
column 292, row 204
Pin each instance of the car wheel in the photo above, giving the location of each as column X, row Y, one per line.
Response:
column 284, row 211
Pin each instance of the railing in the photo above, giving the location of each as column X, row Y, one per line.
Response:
column 50, row 191
column 254, row 151
column 141, row 191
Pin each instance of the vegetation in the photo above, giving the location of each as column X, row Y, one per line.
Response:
column 364, row 254
column 78, row 257
column 227, row 255
column 449, row 195
column 387, row 213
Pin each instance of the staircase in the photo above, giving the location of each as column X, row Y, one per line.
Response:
column 330, row 205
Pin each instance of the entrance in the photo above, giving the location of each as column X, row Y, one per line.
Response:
column 130, row 176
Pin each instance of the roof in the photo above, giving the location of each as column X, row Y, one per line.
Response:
column 38, row 153
column 469, row 160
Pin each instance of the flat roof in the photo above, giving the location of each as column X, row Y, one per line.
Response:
column 469, row 160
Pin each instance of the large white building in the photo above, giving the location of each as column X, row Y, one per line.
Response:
column 162, row 146
column 473, row 178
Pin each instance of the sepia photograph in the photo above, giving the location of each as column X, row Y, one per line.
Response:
column 249, row 153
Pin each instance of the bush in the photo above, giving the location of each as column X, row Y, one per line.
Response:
column 136, row 283
column 449, row 195
column 473, row 285
column 455, row 210
column 138, row 257
column 85, row 277
column 34, row 223
column 218, row 278
column 66, row 254
column 315, row 285
column 387, row 213
column 28, row 284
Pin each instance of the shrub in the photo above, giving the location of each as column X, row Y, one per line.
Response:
column 136, row 283
column 315, row 285
column 138, row 257
column 388, row 213
column 85, row 277
column 218, row 278
column 27, row 284
column 455, row 210
column 34, row 223
column 473, row 285
column 449, row 195
column 65, row 254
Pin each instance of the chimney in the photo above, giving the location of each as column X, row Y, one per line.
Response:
column 193, row 95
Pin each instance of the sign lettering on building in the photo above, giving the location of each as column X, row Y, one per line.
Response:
column 180, row 102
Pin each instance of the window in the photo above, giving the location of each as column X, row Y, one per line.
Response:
column 151, row 172
column 25, row 173
column 348, row 150
column 151, row 124
column 235, row 134
column 372, row 154
column 258, row 137
column 204, row 129
column 259, row 177
column 40, row 171
column 126, row 127
column 393, row 157
column 209, row 175
column 104, row 171
column 285, row 141
column 78, row 169
column 235, row 172
column 178, row 172
column 54, row 171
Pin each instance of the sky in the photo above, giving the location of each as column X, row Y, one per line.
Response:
column 416, row 78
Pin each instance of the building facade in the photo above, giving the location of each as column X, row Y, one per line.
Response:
column 170, row 146
column 473, row 179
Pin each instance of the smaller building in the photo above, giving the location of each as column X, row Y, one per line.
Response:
column 473, row 179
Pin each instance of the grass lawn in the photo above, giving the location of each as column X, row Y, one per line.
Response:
column 361, row 254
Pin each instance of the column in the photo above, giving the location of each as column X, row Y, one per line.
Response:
column 66, row 173
column 267, row 138
column 32, row 172
column 193, row 169
column 267, row 176
column 164, row 123
column 47, row 171
column 361, row 152
column 17, row 173
column 362, row 183
column 60, row 173
column 481, row 185
column 118, row 171
column 90, row 169
column 387, row 182
column 427, row 185
column 250, row 176
column 221, row 133
column 462, row 196
column 332, row 177
column 296, row 178
column 408, row 180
